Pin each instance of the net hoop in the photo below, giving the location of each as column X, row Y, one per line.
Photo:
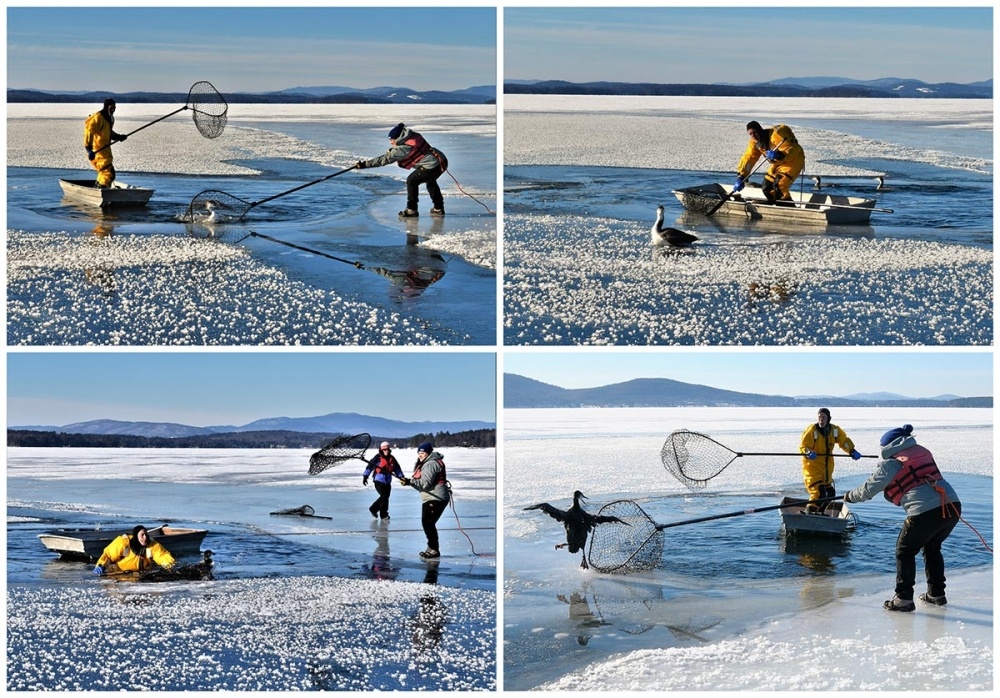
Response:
column 341, row 449
column 618, row 549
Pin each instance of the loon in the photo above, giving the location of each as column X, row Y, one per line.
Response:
column 577, row 522
column 669, row 236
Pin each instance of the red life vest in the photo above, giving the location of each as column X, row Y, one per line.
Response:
column 384, row 465
column 418, row 149
column 918, row 469
column 442, row 477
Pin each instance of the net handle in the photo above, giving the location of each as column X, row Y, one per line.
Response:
column 301, row 186
column 754, row 510
column 740, row 454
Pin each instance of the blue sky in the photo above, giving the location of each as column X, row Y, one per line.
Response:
column 801, row 372
column 213, row 388
column 249, row 49
column 748, row 43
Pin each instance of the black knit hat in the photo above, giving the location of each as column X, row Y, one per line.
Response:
column 397, row 131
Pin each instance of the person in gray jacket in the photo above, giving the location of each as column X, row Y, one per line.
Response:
column 411, row 151
column 908, row 477
column 431, row 480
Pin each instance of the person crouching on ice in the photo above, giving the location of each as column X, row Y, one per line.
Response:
column 908, row 477
column 133, row 553
column 98, row 135
column 410, row 151
column 786, row 156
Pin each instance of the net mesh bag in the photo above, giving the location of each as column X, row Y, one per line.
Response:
column 209, row 109
column 304, row 510
column 341, row 449
column 620, row 549
column 215, row 206
column 694, row 458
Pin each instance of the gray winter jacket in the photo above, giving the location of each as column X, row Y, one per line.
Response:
column 432, row 483
column 918, row 500
column 401, row 150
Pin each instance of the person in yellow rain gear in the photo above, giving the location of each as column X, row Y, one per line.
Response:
column 133, row 553
column 786, row 156
column 98, row 135
column 816, row 448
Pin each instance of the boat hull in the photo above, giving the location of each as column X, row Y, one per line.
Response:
column 88, row 544
column 118, row 194
column 807, row 208
column 833, row 522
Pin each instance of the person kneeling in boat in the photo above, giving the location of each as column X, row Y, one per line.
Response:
column 908, row 477
column 816, row 447
column 133, row 553
column 98, row 135
column 411, row 151
column 786, row 156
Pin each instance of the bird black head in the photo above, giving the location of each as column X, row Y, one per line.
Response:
column 578, row 495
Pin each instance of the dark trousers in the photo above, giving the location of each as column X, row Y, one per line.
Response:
column 430, row 512
column 380, row 506
column 925, row 531
column 427, row 177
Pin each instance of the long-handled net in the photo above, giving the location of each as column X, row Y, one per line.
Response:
column 694, row 458
column 340, row 450
column 214, row 206
column 304, row 510
column 639, row 546
column 208, row 111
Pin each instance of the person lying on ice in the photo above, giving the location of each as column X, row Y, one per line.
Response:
column 133, row 553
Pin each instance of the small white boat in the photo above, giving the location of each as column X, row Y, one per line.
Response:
column 806, row 208
column 118, row 194
column 88, row 544
column 834, row 520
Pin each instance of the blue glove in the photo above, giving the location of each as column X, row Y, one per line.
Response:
column 738, row 186
column 811, row 455
column 98, row 570
column 774, row 155
column 90, row 154
column 855, row 454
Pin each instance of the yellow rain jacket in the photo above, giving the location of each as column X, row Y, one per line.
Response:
column 820, row 471
column 118, row 551
column 783, row 172
column 97, row 134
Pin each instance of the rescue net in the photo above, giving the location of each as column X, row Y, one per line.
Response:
column 621, row 549
column 342, row 448
column 304, row 510
column 215, row 206
column 209, row 109
column 694, row 458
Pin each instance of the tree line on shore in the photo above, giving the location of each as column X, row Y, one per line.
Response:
column 478, row 438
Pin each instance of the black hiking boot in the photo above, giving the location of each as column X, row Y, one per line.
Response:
column 934, row 600
column 409, row 213
column 898, row 604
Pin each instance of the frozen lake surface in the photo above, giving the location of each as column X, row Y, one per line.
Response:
column 142, row 276
column 736, row 604
column 583, row 177
column 296, row 603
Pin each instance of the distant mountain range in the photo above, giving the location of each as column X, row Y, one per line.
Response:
column 785, row 87
column 334, row 423
column 483, row 94
column 522, row 392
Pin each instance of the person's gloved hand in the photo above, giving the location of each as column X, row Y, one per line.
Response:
column 360, row 165
column 121, row 137
column 773, row 155
column 404, row 481
column 855, row 454
column 849, row 499
column 90, row 154
column 811, row 455
column 364, row 480
column 98, row 570
column 738, row 186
